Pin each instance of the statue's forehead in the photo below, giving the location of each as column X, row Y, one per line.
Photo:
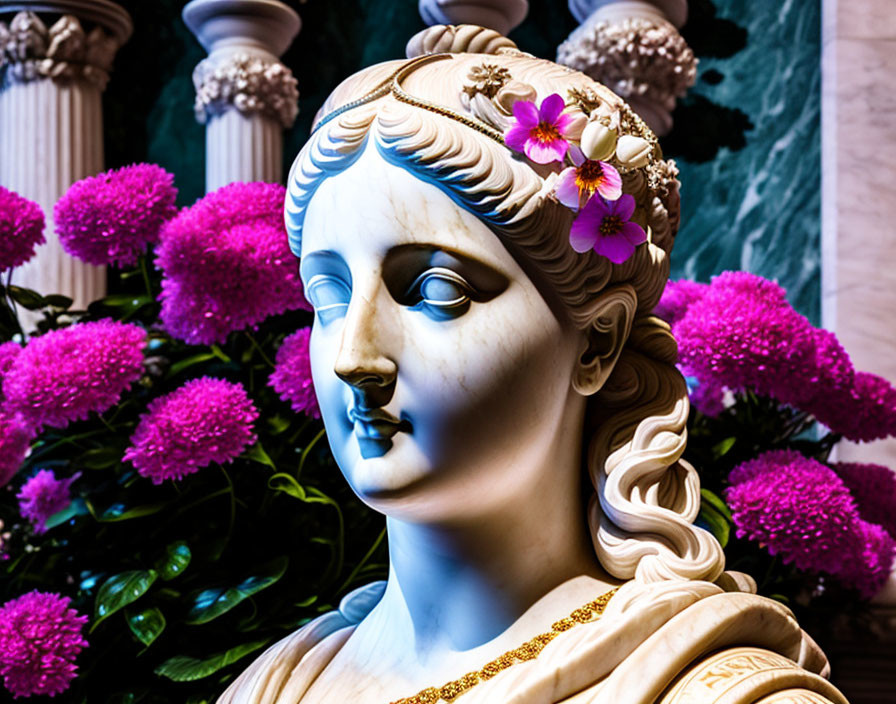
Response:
column 375, row 205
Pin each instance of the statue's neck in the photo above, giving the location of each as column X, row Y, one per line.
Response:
column 457, row 587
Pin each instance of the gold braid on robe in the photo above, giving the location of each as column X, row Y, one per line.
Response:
column 662, row 643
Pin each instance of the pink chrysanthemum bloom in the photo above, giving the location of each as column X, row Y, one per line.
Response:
column 873, row 486
column 40, row 637
column 291, row 377
column 206, row 420
column 576, row 184
column 863, row 412
column 677, row 298
column 111, row 218
column 21, row 229
column 540, row 133
column 65, row 375
column 742, row 334
column 606, row 228
column 708, row 399
column 8, row 353
column 870, row 561
column 15, row 438
column 227, row 264
column 42, row 496
column 796, row 507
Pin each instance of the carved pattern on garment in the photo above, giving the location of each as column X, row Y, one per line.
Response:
column 765, row 676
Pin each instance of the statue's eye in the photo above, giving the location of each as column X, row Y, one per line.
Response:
column 442, row 291
column 329, row 295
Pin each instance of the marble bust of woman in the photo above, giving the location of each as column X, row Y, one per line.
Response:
column 512, row 407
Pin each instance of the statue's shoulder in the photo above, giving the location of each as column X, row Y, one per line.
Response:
column 285, row 670
column 727, row 647
column 750, row 674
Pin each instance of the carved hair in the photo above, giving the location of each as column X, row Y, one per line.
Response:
column 646, row 496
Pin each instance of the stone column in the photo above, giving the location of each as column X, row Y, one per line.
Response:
column 500, row 15
column 54, row 67
column 244, row 95
column 633, row 47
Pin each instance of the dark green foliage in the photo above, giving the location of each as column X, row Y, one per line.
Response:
column 185, row 581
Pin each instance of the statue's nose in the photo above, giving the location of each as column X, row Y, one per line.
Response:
column 362, row 360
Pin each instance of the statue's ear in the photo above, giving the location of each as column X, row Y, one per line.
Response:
column 602, row 344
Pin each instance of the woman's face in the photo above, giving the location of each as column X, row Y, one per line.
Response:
column 444, row 378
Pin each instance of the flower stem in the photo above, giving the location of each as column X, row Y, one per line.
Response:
column 145, row 272
column 258, row 349
column 305, row 452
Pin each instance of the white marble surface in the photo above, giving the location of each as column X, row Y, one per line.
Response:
column 859, row 191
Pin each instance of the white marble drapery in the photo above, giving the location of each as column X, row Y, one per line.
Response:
column 244, row 94
column 51, row 122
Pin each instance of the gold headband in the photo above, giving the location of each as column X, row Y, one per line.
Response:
column 392, row 84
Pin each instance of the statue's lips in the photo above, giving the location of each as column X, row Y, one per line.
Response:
column 376, row 424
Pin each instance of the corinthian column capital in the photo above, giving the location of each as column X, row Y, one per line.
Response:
column 634, row 48
column 63, row 51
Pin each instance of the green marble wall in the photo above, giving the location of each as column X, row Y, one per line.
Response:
column 747, row 139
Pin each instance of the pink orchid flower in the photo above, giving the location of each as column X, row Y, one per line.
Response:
column 540, row 133
column 605, row 227
column 577, row 183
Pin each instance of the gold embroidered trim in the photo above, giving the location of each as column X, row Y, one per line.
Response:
column 529, row 650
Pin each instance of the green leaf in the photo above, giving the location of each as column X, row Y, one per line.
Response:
column 211, row 603
column 120, row 512
column 26, row 298
column 715, row 523
column 100, row 458
column 720, row 449
column 288, row 485
column 120, row 590
column 181, row 668
column 183, row 364
column 256, row 453
column 58, row 301
column 147, row 624
column 75, row 508
column 716, row 502
column 125, row 301
column 277, row 424
column 177, row 557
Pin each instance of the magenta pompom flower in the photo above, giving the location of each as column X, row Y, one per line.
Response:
column 863, row 411
column 15, row 438
column 871, row 560
column 227, row 264
column 42, row 496
column 21, row 229
column 291, row 377
column 65, row 375
column 677, row 298
column 112, row 217
column 40, row 637
column 873, row 486
column 606, row 228
column 742, row 334
column 8, row 353
column 540, row 133
column 206, row 420
column 796, row 507
column 577, row 183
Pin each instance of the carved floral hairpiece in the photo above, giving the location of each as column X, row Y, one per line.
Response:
column 562, row 133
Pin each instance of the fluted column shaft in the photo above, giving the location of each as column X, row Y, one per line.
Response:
column 51, row 122
column 244, row 94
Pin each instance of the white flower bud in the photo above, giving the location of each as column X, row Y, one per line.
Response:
column 633, row 151
column 598, row 141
